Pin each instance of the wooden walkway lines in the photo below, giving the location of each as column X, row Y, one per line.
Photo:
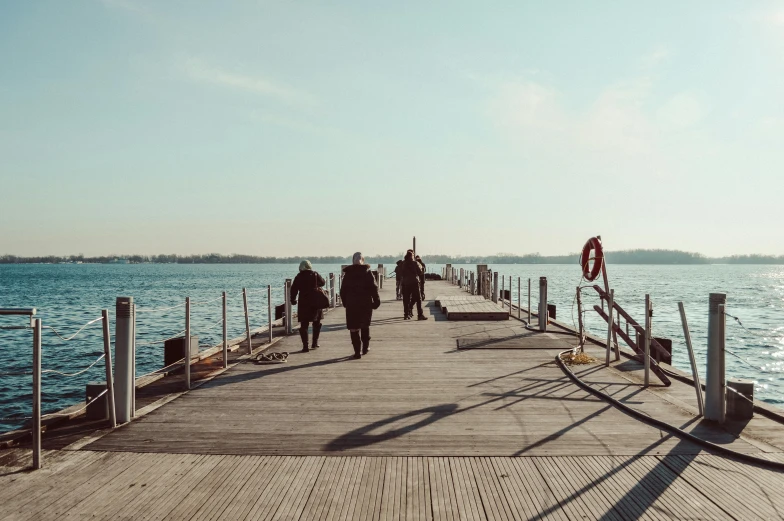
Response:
column 213, row 487
column 418, row 429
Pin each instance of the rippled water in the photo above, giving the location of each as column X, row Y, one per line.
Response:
column 67, row 296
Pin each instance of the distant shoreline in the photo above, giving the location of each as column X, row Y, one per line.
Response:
column 641, row 257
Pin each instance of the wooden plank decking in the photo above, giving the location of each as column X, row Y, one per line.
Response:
column 418, row 429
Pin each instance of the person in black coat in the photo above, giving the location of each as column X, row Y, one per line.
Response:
column 359, row 295
column 398, row 278
column 306, row 284
column 422, row 277
column 411, row 288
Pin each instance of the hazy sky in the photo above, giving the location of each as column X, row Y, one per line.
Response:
column 319, row 128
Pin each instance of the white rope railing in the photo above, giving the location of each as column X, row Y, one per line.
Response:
column 66, row 339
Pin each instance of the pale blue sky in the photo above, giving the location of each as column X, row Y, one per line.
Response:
column 283, row 128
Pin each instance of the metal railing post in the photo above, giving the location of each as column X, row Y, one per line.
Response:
column 289, row 312
column 647, row 340
column 107, row 354
column 501, row 295
column 37, row 460
column 225, row 334
column 123, row 359
column 694, row 370
column 519, row 310
column 269, row 311
column 332, row 299
column 495, row 287
column 529, row 301
column 247, row 318
column 715, row 384
column 610, row 323
column 542, row 304
column 510, row 295
column 187, row 343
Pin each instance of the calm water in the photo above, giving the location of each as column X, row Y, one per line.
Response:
column 67, row 296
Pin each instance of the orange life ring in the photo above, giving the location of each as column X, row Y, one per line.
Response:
column 594, row 243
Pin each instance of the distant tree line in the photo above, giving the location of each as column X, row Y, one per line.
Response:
column 613, row 257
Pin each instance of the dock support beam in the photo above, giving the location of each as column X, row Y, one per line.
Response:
column 123, row 354
column 715, row 384
column 542, row 304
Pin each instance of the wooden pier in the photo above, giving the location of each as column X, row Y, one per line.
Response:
column 442, row 420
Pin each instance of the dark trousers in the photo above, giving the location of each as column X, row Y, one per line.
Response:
column 303, row 332
column 360, row 339
column 411, row 296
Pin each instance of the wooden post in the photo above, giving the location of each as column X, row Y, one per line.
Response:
column 332, row 299
column 225, row 335
column 529, row 301
column 610, row 323
column 694, row 370
column 247, row 318
column 647, row 340
column 269, row 311
column 107, row 357
column 519, row 309
column 495, row 287
column 37, row 459
column 501, row 295
column 187, row 343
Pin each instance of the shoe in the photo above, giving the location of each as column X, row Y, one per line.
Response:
column 357, row 356
column 405, row 317
column 365, row 351
column 315, row 345
column 305, row 349
column 421, row 317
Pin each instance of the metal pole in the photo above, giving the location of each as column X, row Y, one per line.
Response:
column 133, row 365
column 542, row 304
column 37, row 394
column 715, row 384
column 107, row 357
column 289, row 312
column 529, row 301
column 694, row 370
column 495, row 287
column 247, row 319
column 615, row 336
column 519, row 309
column 225, row 334
column 332, row 299
column 269, row 311
column 501, row 295
column 510, row 295
column 414, row 246
column 123, row 359
column 647, row 340
column 610, row 323
column 187, row 357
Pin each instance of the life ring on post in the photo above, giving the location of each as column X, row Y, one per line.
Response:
column 593, row 244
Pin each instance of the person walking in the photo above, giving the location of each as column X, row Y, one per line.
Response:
column 359, row 294
column 398, row 279
column 422, row 277
column 411, row 288
column 306, row 283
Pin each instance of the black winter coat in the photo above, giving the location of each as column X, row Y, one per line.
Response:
column 411, row 273
column 305, row 284
column 359, row 294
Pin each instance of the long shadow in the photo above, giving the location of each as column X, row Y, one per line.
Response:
column 363, row 436
column 239, row 377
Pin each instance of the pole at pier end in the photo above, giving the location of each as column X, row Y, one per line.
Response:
column 715, row 384
column 123, row 362
column 37, row 394
column 269, row 312
column 414, row 246
column 542, row 304
column 225, row 334
column 187, row 343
